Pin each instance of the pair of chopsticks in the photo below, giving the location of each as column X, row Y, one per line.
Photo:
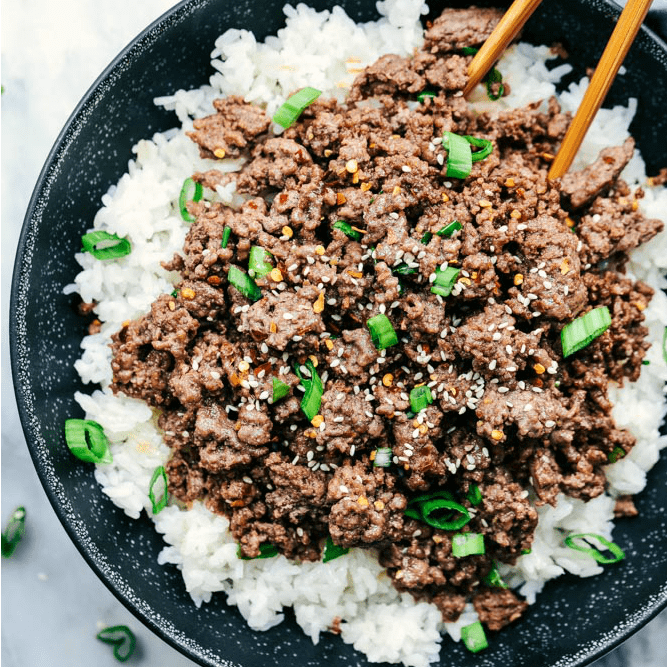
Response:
column 617, row 48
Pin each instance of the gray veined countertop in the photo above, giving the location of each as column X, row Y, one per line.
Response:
column 52, row 602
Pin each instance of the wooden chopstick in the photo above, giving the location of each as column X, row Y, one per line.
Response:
column 506, row 30
column 619, row 43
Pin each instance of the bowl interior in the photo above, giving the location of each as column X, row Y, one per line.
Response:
column 574, row 622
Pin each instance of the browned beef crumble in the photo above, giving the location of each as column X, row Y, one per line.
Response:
column 510, row 415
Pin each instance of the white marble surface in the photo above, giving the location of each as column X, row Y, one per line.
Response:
column 52, row 603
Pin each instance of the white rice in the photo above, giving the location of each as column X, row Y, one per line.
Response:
column 326, row 50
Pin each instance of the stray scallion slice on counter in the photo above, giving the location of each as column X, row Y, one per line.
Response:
column 382, row 332
column 158, row 489
column 382, row 457
column 191, row 191
column 280, row 390
column 474, row 495
column 589, row 540
column 226, row 233
column 122, row 638
column 444, row 280
column 346, row 228
column 420, row 398
column 332, row 551
column 266, row 550
column 87, row 441
column 102, row 245
column 580, row 332
column 485, row 146
column 459, row 155
column 258, row 263
column 467, row 544
column 449, row 229
column 493, row 578
column 244, row 283
column 290, row 110
column 474, row 638
column 13, row 532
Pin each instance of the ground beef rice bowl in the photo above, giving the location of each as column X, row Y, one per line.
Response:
column 337, row 348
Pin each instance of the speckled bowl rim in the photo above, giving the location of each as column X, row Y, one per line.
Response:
column 106, row 571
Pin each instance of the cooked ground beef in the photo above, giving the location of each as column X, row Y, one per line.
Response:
column 510, row 417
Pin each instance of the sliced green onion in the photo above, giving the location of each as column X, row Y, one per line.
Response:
column 474, row 638
column 616, row 552
column 13, row 532
column 266, row 550
column 459, row 155
column 312, row 398
column 191, row 191
column 449, row 229
column 258, row 262
column 244, row 283
column 467, row 544
column 404, row 270
column 494, row 76
column 87, row 441
column 174, row 293
column 122, row 638
column 469, row 50
column 444, row 280
column 426, row 239
column 226, row 233
column 474, row 495
column 293, row 107
column 664, row 345
column 579, row 333
column 420, row 398
column 346, row 228
column 102, row 245
column 382, row 457
column 382, row 333
column 413, row 509
column 493, row 578
column 617, row 453
column 646, row 362
column 486, row 148
column 280, row 390
column 332, row 551
column 159, row 480
column 426, row 93
column 454, row 517
column 439, row 511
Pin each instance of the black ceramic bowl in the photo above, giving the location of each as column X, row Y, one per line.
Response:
column 574, row 622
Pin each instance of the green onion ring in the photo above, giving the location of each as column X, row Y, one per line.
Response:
column 616, row 551
column 87, row 441
column 159, row 474
column 102, row 245
column 191, row 191
column 122, row 639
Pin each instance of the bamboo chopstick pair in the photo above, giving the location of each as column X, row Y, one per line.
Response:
column 617, row 48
